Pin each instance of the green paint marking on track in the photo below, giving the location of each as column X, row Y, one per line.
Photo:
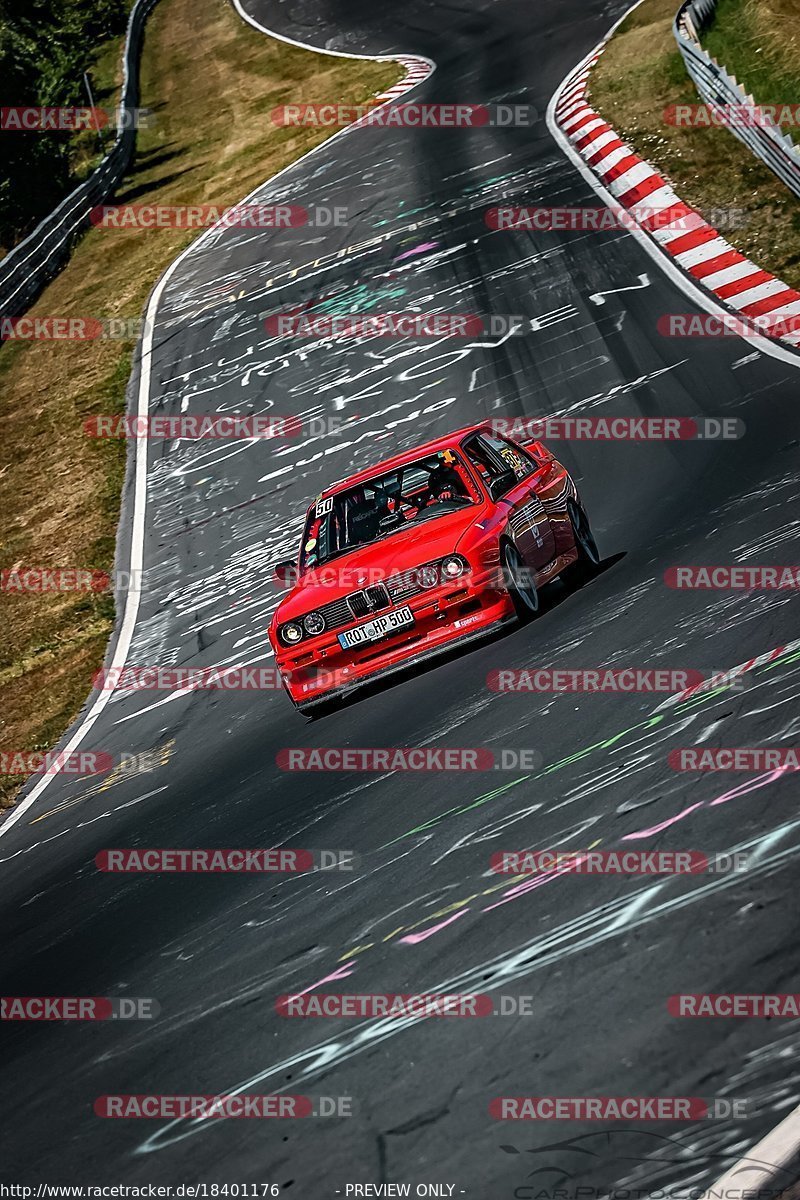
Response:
column 461, row 808
column 606, row 744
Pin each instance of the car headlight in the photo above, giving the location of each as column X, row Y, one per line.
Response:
column 428, row 575
column 290, row 633
column 314, row 623
column 453, row 566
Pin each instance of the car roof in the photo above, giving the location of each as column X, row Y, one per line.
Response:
column 400, row 460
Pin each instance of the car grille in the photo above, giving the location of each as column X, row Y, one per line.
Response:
column 336, row 613
column 356, row 605
column 371, row 600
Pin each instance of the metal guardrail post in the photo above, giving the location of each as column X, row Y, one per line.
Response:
column 749, row 123
column 29, row 266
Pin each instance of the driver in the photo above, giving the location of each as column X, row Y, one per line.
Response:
column 444, row 484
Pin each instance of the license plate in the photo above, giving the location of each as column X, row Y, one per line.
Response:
column 373, row 631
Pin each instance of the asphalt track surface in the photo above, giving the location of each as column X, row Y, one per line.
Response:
column 423, row 913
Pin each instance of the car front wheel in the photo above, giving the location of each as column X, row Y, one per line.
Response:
column 588, row 554
column 519, row 581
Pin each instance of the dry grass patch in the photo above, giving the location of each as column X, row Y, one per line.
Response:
column 641, row 73
column 212, row 82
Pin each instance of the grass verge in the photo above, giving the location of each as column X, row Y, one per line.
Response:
column 212, row 82
column 641, row 73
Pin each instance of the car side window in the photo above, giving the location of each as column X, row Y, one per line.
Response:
column 513, row 457
column 494, row 459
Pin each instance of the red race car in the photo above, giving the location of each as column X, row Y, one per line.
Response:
column 427, row 550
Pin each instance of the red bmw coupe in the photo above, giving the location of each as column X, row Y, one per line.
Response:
column 430, row 549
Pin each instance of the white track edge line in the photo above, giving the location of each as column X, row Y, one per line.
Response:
column 782, row 1141
column 667, row 265
column 133, row 597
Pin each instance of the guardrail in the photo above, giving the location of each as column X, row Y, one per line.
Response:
column 721, row 90
column 31, row 264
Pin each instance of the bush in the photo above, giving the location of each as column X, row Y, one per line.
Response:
column 45, row 47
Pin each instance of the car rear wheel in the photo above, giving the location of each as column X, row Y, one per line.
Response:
column 519, row 581
column 588, row 554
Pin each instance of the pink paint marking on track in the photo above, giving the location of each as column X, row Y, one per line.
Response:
column 412, row 939
column 653, row 829
column 742, row 789
column 528, row 885
column 417, row 250
column 340, row 973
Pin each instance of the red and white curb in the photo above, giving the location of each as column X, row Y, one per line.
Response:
column 417, row 69
column 637, row 186
column 726, row 677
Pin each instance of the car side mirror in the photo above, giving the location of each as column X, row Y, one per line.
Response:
column 538, row 451
column 286, row 573
column 501, row 484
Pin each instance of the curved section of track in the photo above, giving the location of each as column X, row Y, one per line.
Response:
column 599, row 956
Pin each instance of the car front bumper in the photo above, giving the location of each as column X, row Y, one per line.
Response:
column 439, row 624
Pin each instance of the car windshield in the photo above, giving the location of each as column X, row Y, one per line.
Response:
column 419, row 491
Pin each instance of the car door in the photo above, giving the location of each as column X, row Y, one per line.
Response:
column 528, row 526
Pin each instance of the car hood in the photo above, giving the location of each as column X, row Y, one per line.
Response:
column 401, row 551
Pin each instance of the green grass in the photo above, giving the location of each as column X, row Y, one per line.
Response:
column 759, row 44
column 105, row 74
column 641, row 73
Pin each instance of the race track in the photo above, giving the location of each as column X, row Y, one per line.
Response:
column 423, row 912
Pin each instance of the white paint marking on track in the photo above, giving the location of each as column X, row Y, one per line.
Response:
column 62, row 832
column 598, row 297
column 414, row 65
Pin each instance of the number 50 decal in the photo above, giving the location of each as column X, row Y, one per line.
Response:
column 323, row 507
